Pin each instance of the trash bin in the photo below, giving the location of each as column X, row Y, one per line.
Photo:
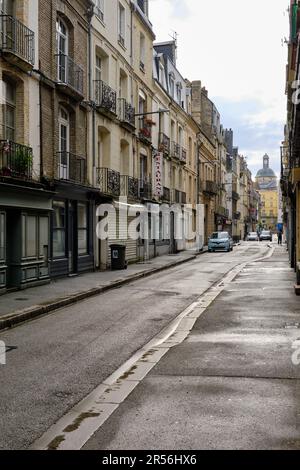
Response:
column 118, row 261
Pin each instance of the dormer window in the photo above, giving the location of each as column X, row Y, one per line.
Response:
column 99, row 9
column 162, row 74
column 171, row 84
column 179, row 93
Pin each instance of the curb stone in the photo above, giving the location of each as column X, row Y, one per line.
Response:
column 30, row 313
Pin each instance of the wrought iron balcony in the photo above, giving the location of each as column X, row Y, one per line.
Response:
column 16, row 39
column 183, row 155
column 129, row 187
column 164, row 144
column 105, row 97
column 15, row 160
column 223, row 212
column 72, row 168
column 109, row 181
column 210, row 187
column 235, row 196
column 145, row 188
column 69, row 74
column 145, row 131
column 175, row 150
column 126, row 112
column 179, row 197
column 237, row 216
column 166, row 195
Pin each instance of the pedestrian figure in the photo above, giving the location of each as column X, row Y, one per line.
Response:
column 279, row 238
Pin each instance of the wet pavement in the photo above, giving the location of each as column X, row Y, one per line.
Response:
column 232, row 383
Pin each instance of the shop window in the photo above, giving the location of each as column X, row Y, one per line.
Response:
column 82, row 222
column 2, row 237
column 29, row 236
column 59, row 229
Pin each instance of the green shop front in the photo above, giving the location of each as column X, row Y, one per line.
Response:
column 24, row 235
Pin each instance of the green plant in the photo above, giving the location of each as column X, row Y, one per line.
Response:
column 23, row 160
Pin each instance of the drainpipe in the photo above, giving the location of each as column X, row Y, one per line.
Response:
column 41, row 128
column 199, row 146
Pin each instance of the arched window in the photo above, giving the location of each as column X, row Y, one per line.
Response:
column 62, row 47
column 64, row 144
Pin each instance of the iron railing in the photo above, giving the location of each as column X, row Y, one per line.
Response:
column 236, row 215
column 126, row 112
column 164, row 144
column 72, row 168
column 210, row 187
column 166, row 194
column 175, row 150
column 145, row 189
column 179, row 197
column 105, row 96
column 145, row 130
column 223, row 212
column 109, row 181
column 129, row 187
column 235, row 196
column 183, row 155
column 16, row 38
column 15, row 160
column 69, row 73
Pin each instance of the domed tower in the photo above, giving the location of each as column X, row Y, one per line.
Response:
column 266, row 178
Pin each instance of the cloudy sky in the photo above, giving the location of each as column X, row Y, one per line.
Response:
column 236, row 48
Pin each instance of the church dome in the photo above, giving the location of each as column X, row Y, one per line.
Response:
column 266, row 171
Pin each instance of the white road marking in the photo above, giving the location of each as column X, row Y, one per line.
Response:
column 75, row 428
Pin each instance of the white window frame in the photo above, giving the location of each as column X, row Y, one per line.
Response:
column 62, row 76
column 100, row 9
column 121, row 24
column 64, row 169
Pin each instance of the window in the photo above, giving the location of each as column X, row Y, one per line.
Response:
column 178, row 92
column 59, row 229
column 172, row 85
column 64, row 144
column 7, row 7
column 98, row 68
column 142, row 52
column 2, row 236
column 62, row 46
column 143, row 168
column 82, row 212
column 99, row 9
column 29, row 236
column 9, row 110
column 162, row 74
column 121, row 28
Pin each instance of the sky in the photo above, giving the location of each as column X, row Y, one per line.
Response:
column 237, row 49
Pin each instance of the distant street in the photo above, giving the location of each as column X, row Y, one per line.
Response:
column 62, row 357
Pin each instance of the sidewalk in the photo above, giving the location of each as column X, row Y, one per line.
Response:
column 21, row 305
column 233, row 383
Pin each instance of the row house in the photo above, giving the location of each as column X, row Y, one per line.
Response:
column 176, row 138
column 25, row 203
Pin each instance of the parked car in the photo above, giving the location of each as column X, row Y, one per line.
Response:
column 265, row 235
column 220, row 241
column 252, row 237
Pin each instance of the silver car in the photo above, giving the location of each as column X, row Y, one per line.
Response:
column 220, row 241
column 252, row 237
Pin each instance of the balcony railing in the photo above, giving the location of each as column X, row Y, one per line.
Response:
column 109, row 181
column 126, row 112
column 222, row 211
column 129, row 187
column 179, row 197
column 145, row 189
column 105, row 97
column 69, row 73
column 175, row 150
column 235, row 196
column 145, row 131
column 16, row 38
column 236, row 215
column 72, row 168
column 210, row 187
column 164, row 144
column 166, row 195
column 183, row 155
column 15, row 160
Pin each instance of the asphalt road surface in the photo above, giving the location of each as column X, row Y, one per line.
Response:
column 62, row 357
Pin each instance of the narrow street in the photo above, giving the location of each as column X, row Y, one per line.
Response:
column 238, row 353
